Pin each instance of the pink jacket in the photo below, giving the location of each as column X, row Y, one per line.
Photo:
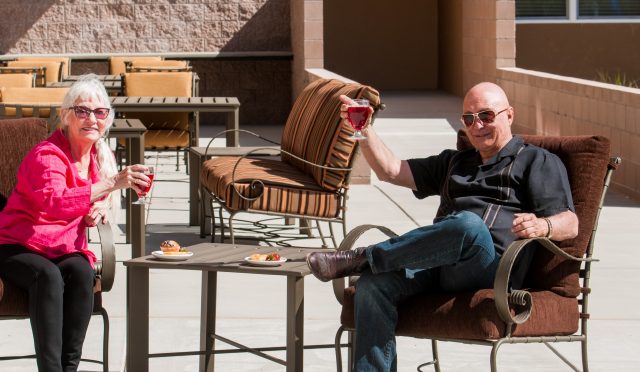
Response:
column 45, row 210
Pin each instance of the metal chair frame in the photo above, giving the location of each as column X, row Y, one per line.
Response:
column 214, row 202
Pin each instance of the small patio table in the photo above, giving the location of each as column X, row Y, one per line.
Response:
column 211, row 258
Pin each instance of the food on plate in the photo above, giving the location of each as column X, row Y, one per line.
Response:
column 170, row 246
column 273, row 256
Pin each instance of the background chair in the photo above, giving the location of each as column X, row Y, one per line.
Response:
column 32, row 102
column 167, row 131
column 53, row 70
column 157, row 66
column 552, row 308
column 14, row 301
column 17, row 80
column 117, row 63
column 65, row 62
column 311, row 178
column 37, row 72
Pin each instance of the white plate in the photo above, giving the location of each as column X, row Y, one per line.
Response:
column 265, row 263
column 171, row 257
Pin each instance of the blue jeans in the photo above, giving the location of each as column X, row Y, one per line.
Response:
column 454, row 254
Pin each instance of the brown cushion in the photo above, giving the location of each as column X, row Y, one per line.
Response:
column 315, row 132
column 586, row 159
column 473, row 316
column 15, row 302
column 286, row 189
column 30, row 131
column 53, row 68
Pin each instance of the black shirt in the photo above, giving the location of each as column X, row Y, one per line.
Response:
column 521, row 178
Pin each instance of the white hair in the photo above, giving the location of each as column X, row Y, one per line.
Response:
column 90, row 87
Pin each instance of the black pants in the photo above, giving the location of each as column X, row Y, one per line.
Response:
column 60, row 302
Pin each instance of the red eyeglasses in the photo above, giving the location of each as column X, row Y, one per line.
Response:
column 486, row 117
column 84, row 112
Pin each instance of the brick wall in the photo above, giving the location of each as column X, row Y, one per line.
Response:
column 141, row 26
column 103, row 27
column 551, row 104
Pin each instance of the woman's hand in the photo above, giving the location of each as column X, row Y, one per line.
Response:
column 97, row 214
column 132, row 176
column 527, row 225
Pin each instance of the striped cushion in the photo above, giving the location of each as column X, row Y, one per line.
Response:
column 286, row 189
column 315, row 132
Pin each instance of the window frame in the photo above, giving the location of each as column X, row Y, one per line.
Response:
column 572, row 17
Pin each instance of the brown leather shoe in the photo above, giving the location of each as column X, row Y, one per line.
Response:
column 332, row 265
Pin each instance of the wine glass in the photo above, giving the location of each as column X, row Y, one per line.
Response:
column 358, row 114
column 142, row 195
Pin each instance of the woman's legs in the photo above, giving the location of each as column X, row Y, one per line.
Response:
column 78, row 277
column 58, row 301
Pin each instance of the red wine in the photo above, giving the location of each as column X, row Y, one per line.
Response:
column 146, row 190
column 357, row 116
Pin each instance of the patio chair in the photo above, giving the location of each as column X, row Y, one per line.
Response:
column 157, row 66
column 117, row 63
column 32, row 102
column 65, row 62
column 167, row 131
column 53, row 70
column 13, row 300
column 37, row 72
column 551, row 308
column 17, row 80
column 311, row 178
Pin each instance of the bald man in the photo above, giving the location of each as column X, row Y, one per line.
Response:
column 500, row 191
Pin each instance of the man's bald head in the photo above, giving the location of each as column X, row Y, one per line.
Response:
column 488, row 92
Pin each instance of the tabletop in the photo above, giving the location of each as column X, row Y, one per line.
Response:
column 224, row 257
column 190, row 103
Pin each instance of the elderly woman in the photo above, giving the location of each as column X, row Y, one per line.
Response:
column 64, row 185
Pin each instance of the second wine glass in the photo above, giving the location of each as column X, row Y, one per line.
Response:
column 142, row 195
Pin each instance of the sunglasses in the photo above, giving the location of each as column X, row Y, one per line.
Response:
column 84, row 112
column 486, row 117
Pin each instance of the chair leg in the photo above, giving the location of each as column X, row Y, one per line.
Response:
column 494, row 355
column 585, row 359
column 434, row 353
column 105, row 340
column 338, row 349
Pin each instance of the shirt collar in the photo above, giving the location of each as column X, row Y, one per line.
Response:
column 509, row 150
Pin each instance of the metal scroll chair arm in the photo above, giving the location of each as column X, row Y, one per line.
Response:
column 106, row 267
column 520, row 299
column 224, row 132
column 347, row 244
column 255, row 184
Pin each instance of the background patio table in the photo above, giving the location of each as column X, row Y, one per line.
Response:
column 228, row 105
column 132, row 130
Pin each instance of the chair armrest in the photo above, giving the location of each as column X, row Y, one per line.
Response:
column 347, row 244
column 259, row 184
column 224, row 132
column 520, row 298
column 106, row 268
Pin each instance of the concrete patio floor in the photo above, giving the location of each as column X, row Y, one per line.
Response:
column 251, row 307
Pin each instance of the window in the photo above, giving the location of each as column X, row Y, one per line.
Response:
column 578, row 10
column 608, row 8
column 541, row 8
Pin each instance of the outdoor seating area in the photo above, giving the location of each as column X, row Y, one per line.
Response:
column 175, row 295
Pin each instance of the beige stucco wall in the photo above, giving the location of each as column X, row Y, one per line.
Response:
column 580, row 49
column 388, row 46
column 558, row 105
